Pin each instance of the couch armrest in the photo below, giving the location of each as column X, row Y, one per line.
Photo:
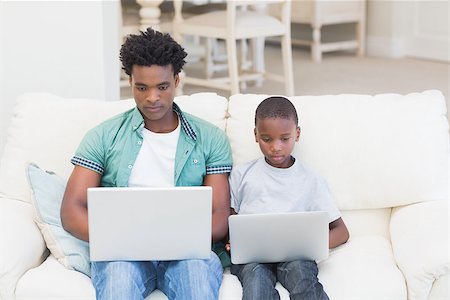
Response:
column 420, row 237
column 22, row 246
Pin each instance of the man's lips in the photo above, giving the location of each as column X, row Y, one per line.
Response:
column 152, row 108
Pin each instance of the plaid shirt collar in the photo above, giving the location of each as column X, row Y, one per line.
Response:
column 138, row 121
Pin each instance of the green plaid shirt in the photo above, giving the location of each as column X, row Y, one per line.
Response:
column 111, row 148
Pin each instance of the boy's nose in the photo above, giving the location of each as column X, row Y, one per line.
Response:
column 276, row 146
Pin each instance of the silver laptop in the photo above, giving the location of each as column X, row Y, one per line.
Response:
column 278, row 237
column 149, row 223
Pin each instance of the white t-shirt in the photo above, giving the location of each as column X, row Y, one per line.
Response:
column 155, row 163
column 257, row 187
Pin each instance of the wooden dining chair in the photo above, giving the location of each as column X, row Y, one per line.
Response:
column 233, row 24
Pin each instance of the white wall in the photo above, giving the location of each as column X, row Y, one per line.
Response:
column 69, row 48
column 408, row 28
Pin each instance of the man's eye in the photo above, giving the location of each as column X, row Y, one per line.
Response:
column 141, row 88
column 163, row 87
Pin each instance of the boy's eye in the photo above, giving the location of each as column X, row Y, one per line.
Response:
column 285, row 139
column 265, row 139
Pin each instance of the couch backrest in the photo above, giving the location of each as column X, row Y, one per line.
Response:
column 47, row 129
column 375, row 151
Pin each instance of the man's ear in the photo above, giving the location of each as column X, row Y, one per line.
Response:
column 130, row 80
column 297, row 134
column 254, row 132
column 177, row 80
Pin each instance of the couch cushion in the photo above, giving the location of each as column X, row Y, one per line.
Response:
column 368, row 222
column 363, row 268
column 47, row 194
column 21, row 244
column 420, row 240
column 372, row 274
column 52, row 281
column 363, row 145
column 47, row 129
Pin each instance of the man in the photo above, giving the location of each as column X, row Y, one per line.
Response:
column 155, row 144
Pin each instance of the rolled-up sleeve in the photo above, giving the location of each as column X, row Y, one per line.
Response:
column 220, row 158
column 90, row 152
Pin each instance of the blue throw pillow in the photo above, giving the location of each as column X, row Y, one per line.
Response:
column 47, row 193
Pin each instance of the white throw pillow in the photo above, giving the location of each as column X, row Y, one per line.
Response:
column 47, row 190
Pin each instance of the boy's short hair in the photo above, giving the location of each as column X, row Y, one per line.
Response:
column 276, row 107
column 151, row 48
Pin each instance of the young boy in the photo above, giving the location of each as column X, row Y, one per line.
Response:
column 279, row 175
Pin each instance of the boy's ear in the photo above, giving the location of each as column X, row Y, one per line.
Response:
column 254, row 132
column 297, row 134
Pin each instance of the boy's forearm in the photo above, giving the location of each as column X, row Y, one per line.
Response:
column 338, row 236
column 338, row 233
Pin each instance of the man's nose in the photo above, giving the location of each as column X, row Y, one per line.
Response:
column 152, row 95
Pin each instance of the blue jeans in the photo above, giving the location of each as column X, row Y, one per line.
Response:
column 298, row 277
column 180, row 279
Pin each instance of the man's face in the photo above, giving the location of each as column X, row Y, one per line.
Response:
column 153, row 89
column 276, row 138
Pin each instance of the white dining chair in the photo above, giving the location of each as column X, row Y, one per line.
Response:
column 236, row 23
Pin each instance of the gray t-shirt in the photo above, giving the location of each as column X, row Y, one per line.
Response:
column 257, row 187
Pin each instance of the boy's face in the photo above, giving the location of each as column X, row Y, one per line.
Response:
column 276, row 138
column 153, row 89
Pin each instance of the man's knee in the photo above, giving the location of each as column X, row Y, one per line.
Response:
column 121, row 275
column 192, row 279
column 205, row 266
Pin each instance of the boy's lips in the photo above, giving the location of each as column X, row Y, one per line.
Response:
column 276, row 157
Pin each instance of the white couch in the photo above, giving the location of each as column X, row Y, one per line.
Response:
column 385, row 157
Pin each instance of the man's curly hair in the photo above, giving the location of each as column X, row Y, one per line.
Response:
column 151, row 48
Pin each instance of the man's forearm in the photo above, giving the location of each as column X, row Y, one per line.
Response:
column 219, row 225
column 76, row 223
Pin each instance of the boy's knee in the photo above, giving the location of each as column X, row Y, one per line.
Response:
column 257, row 272
column 301, row 268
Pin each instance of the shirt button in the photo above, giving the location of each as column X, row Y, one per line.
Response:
column 130, row 166
column 195, row 161
column 139, row 142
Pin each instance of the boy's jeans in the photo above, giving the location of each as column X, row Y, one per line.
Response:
column 183, row 279
column 298, row 277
